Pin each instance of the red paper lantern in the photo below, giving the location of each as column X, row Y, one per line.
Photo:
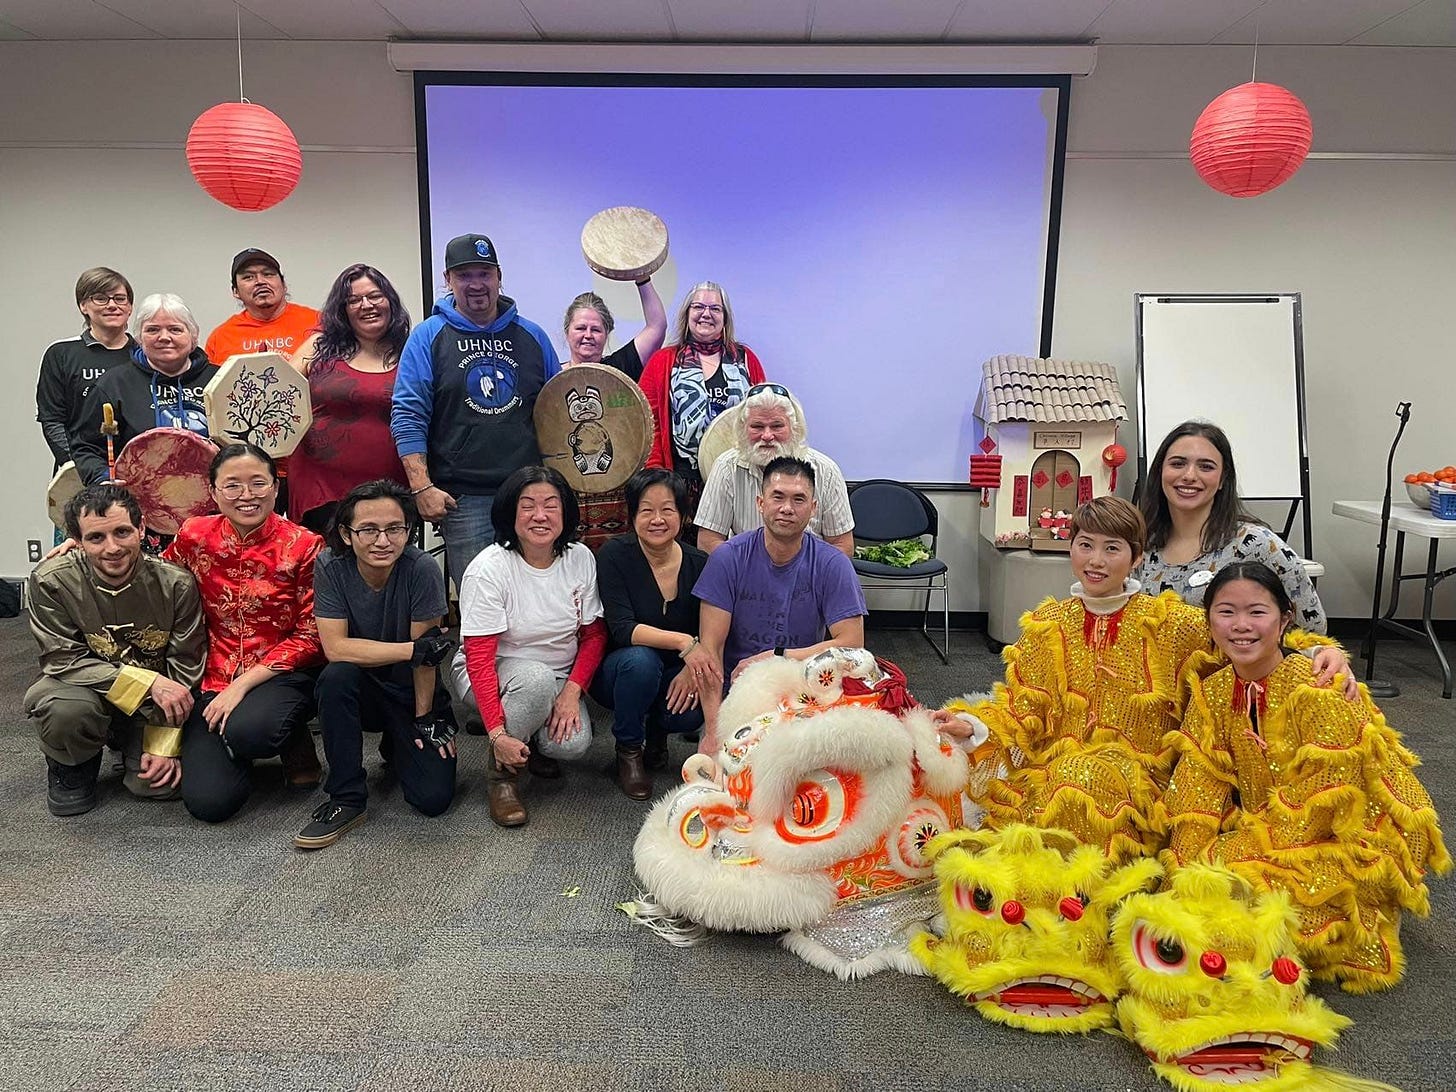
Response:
column 1250, row 139
column 244, row 155
column 1114, row 455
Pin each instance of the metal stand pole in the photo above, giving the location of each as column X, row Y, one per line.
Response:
column 1379, row 688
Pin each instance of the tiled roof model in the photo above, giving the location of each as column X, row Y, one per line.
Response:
column 1025, row 388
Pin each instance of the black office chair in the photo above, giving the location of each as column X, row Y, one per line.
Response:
column 885, row 510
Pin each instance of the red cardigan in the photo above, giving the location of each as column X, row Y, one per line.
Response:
column 656, row 387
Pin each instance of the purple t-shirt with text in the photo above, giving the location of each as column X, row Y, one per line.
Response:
column 790, row 604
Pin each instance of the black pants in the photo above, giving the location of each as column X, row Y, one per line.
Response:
column 216, row 779
column 351, row 702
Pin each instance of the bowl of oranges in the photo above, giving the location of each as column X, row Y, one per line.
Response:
column 1418, row 486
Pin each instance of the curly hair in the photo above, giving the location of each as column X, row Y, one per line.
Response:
column 336, row 338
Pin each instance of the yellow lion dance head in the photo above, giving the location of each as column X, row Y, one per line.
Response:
column 1026, row 924
column 1214, row 995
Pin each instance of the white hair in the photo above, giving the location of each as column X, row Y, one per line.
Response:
column 165, row 303
column 769, row 400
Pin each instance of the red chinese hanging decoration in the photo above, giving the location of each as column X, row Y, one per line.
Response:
column 1251, row 139
column 1113, row 456
column 986, row 470
column 244, row 155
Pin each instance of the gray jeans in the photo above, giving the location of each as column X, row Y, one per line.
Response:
column 527, row 692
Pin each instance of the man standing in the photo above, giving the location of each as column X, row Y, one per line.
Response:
column 70, row 367
column 122, row 643
column 267, row 322
column 464, row 399
column 774, row 591
column 379, row 603
column 768, row 425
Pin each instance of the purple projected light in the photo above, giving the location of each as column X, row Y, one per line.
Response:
column 878, row 244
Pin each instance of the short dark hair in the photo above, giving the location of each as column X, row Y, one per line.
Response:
column 644, row 480
column 1113, row 517
column 97, row 500
column 1227, row 513
column 1254, row 571
column 100, row 279
column 379, row 489
column 789, row 467
column 237, row 450
column 508, row 497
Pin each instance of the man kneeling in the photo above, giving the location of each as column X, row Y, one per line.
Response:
column 122, row 643
column 379, row 602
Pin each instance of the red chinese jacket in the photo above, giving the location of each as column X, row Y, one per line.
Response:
column 257, row 594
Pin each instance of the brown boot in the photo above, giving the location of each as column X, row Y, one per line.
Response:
column 632, row 774
column 506, row 809
column 301, row 768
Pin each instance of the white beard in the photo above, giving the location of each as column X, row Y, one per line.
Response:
column 760, row 458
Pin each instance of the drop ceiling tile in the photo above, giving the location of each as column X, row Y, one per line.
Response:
column 857, row 20
column 1160, row 22
column 10, row 33
column 741, row 20
column 352, row 20
column 621, row 20
column 1430, row 24
column 72, row 22
column 197, row 19
column 501, row 20
column 1048, row 20
column 1312, row 22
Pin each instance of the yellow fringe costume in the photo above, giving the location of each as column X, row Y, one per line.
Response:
column 1299, row 790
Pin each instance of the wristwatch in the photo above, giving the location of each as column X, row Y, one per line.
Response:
column 778, row 650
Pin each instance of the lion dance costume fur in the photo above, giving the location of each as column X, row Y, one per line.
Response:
column 812, row 818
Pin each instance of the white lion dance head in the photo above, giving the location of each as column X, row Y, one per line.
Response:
column 812, row 818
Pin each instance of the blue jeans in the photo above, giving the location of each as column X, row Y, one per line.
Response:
column 633, row 682
column 466, row 530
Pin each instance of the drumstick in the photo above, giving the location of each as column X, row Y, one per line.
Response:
column 109, row 430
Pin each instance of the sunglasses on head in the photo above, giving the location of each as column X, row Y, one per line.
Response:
column 774, row 388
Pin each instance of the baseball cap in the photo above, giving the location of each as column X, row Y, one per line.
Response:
column 470, row 250
column 251, row 255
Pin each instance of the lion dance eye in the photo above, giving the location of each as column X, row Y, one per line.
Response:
column 1158, row 954
column 981, row 900
column 821, row 803
column 693, row 830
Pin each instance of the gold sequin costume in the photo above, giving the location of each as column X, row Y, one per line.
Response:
column 1300, row 790
column 1082, row 717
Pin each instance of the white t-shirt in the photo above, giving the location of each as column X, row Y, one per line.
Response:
column 536, row 612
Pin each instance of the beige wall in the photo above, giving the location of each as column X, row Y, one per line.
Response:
column 91, row 172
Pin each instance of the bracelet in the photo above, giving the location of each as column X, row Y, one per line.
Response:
column 645, row 280
column 685, row 653
column 495, row 733
column 422, row 489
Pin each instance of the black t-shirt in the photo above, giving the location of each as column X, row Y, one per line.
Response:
column 631, row 597
column 68, row 371
column 415, row 592
column 626, row 361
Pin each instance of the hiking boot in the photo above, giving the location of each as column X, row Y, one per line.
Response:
column 301, row 768
column 506, row 809
column 632, row 775
column 71, row 790
column 541, row 766
column 330, row 822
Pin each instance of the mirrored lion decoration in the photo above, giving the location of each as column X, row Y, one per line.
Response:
column 1027, row 915
column 1215, row 995
column 812, row 818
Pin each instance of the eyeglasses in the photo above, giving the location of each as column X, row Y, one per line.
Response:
column 369, row 533
column 233, row 490
column 374, row 299
column 100, row 299
column 699, row 308
column 775, row 388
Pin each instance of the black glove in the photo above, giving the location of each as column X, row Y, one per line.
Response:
column 436, row 731
column 431, row 648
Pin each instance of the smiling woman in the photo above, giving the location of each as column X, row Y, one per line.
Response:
column 351, row 364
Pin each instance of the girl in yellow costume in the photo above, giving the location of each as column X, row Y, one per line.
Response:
column 1298, row 790
column 1092, row 689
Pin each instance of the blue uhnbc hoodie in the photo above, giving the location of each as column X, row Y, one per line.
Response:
column 465, row 394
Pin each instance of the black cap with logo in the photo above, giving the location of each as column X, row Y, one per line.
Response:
column 470, row 250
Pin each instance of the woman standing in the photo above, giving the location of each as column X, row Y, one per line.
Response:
column 254, row 572
column 1297, row 789
column 690, row 383
column 350, row 363
column 1197, row 524
column 532, row 636
column 651, row 677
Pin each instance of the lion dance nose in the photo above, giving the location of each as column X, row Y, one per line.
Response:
column 1012, row 912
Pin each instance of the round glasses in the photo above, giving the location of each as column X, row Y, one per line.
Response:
column 234, row 490
column 100, row 299
column 369, row 533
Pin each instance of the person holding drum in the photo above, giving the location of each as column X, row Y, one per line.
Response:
column 589, row 324
column 532, row 636
column 656, row 666
column 254, row 572
column 161, row 387
column 351, row 364
column 691, row 382
column 1197, row 524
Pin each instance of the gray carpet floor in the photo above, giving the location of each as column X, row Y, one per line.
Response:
column 142, row 950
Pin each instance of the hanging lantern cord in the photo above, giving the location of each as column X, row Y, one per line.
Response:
column 238, row 11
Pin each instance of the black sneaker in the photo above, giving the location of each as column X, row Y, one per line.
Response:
column 71, row 790
column 330, row 822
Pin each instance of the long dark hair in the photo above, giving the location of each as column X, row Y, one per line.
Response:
column 508, row 496
column 336, row 337
column 1228, row 511
column 379, row 489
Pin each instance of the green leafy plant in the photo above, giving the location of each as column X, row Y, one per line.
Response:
column 901, row 553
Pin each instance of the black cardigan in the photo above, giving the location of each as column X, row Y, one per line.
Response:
column 630, row 596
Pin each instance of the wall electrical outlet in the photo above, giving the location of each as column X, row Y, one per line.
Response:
column 32, row 549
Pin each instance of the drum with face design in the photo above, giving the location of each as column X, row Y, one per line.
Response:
column 594, row 426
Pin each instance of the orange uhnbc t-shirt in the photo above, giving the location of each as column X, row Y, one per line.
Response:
column 244, row 334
